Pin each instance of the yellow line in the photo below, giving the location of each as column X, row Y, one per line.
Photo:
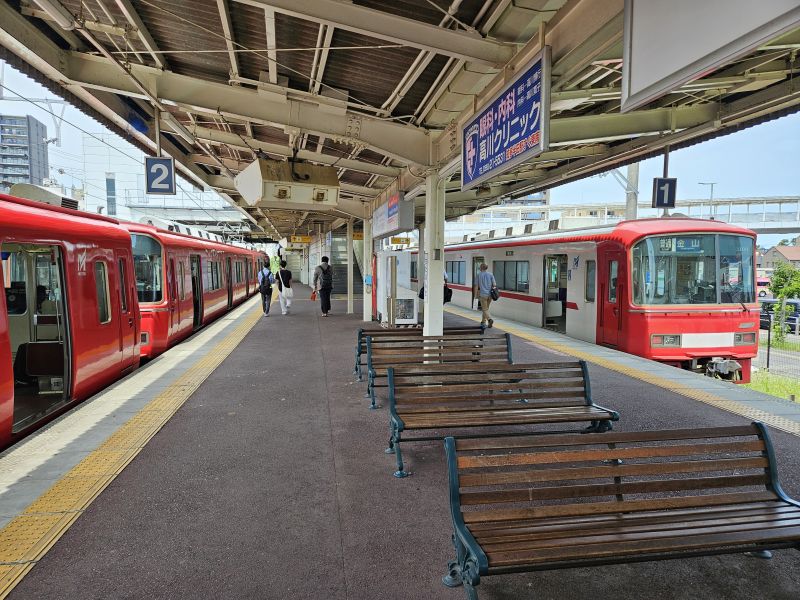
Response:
column 27, row 537
column 709, row 398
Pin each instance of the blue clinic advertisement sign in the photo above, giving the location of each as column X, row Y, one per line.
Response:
column 511, row 128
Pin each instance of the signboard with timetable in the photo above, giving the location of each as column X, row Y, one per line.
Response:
column 511, row 128
column 159, row 175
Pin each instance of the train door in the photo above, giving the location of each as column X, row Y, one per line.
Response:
column 197, row 290
column 38, row 330
column 611, row 291
column 174, row 298
column 476, row 268
column 127, row 318
column 554, row 293
column 229, row 280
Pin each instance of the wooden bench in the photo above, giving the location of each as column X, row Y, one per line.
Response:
column 399, row 333
column 491, row 398
column 546, row 502
column 383, row 353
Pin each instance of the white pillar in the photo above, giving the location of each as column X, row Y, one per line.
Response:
column 632, row 192
column 367, row 262
column 434, row 251
column 421, row 267
column 350, row 267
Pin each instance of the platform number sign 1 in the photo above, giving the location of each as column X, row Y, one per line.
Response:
column 664, row 192
column 159, row 175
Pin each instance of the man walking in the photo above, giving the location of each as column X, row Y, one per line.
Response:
column 323, row 283
column 485, row 284
column 265, row 281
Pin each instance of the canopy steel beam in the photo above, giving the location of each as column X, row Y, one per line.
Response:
column 385, row 26
column 237, row 141
column 227, row 30
column 144, row 35
column 272, row 56
column 403, row 142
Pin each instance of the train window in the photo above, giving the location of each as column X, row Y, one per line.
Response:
column 182, row 280
column 123, row 286
column 511, row 275
column 613, row 268
column 101, row 284
column 147, row 265
column 591, row 276
column 15, row 278
column 736, row 269
column 681, row 269
column 456, row 271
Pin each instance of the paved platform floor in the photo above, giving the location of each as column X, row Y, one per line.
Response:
column 271, row 482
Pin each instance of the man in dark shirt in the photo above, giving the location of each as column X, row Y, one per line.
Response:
column 285, row 293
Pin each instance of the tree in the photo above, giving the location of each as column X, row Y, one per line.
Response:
column 785, row 283
column 783, row 242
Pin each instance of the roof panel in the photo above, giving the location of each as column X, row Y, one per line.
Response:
column 414, row 96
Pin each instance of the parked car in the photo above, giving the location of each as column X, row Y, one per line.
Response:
column 792, row 317
column 762, row 285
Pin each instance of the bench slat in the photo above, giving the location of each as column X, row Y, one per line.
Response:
column 756, row 536
column 537, row 458
column 426, row 387
column 611, row 489
column 515, row 417
column 467, row 480
column 414, row 405
column 575, row 510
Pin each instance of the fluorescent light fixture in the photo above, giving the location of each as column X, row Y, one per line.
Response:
column 58, row 13
column 178, row 128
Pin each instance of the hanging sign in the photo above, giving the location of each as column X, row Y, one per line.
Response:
column 299, row 239
column 393, row 216
column 358, row 235
column 400, row 240
column 511, row 128
column 159, row 175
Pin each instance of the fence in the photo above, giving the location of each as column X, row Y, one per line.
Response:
column 779, row 356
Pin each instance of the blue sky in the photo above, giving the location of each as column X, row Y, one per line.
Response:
column 759, row 161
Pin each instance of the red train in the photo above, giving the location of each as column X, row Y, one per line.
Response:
column 87, row 296
column 677, row 290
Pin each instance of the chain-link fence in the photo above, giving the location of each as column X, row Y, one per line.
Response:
column 780, row 355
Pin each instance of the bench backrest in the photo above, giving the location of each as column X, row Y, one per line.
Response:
column 404, row 332
column 450, row 387
column 382, row 353
column 500, row 480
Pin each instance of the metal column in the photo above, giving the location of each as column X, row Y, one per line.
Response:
column 421, row 268
column 350, row 267
column 434, row 255
column 367, row 263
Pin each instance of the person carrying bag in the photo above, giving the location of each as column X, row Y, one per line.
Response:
column 285, row 291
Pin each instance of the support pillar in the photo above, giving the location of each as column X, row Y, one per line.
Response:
column 421, row 268
column 632, row 192
column 434, row 255
column 367, row 262
column 350, row 267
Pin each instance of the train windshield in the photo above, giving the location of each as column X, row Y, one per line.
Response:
column 147, row 260
column 693, row 269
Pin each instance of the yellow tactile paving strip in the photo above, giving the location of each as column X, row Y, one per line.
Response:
column 25, row 539
column 738, row 408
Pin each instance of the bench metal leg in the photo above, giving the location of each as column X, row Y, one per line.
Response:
column 390, row 449
column 599, row 427
column 373, row 404
column 461, row 571
column 400, row 473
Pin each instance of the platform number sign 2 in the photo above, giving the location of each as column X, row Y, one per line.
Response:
column 159, row 175
column 664, row 192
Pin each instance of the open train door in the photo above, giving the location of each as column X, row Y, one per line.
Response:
column 612, row 284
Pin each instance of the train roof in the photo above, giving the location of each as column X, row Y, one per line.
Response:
column 181, row 239
column 22, row 215
column 625, row 232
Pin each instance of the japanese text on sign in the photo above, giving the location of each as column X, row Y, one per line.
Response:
column 512, row 128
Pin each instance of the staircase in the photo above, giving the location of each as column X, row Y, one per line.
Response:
column 339, row 264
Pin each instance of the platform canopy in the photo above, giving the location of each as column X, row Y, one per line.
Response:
column 377, row 89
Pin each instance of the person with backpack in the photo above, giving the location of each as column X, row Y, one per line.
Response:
column 285, row 291
column 265, row 281
column 323, row 283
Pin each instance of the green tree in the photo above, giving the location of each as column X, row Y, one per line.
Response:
column 784, row 283
column 783, row 242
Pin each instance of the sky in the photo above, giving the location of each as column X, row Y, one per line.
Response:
column 758, row 161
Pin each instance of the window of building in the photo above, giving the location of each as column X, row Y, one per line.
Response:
column 103, row 298
column 456, row 271
column 591, row 273
column 511, row 275
column 413, row 267
column 111, row 193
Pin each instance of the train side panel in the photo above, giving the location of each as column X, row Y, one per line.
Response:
column 6, row 382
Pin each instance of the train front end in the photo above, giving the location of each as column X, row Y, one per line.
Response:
column 693, row 301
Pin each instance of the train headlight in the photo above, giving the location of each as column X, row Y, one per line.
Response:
column 744, row 339
column 665, row 341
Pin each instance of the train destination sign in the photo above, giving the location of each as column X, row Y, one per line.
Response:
column 511, row 128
